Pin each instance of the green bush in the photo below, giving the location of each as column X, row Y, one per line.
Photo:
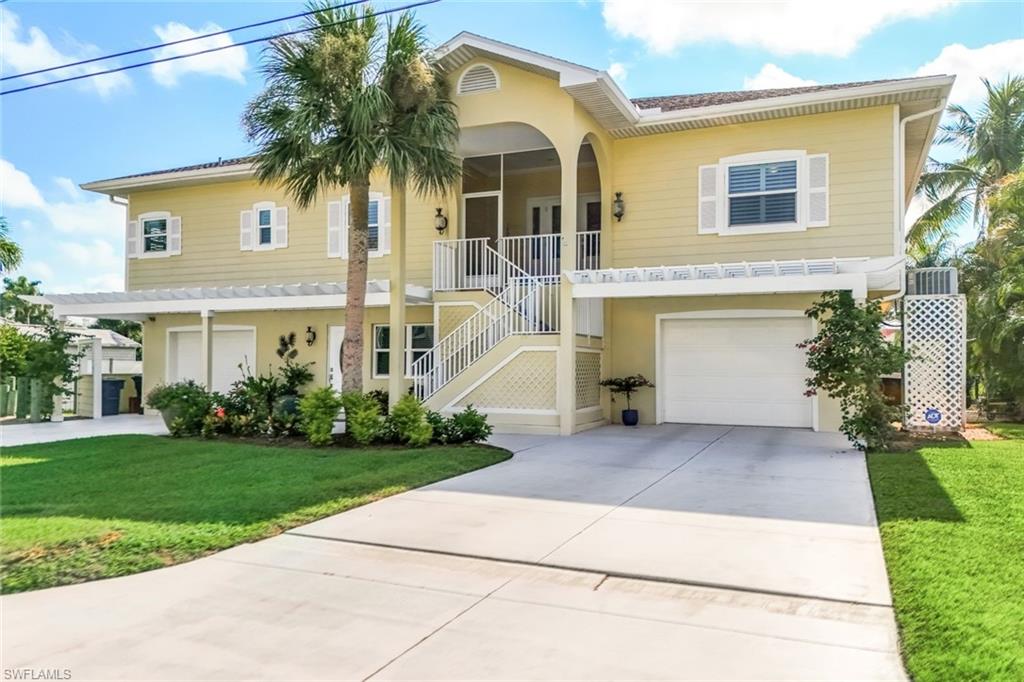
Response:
column 410, row 420
column 188, row 402
column 469, row 426
column 442, row 427
column 317, row 412
column 382, row 397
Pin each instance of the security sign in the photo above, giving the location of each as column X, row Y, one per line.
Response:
column 932, row 416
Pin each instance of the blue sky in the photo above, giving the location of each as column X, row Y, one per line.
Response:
column 54, row 138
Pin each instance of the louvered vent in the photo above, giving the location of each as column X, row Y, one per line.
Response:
column 479, row 78
column 932, row 281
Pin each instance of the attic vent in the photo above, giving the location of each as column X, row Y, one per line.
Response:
column 479, row 78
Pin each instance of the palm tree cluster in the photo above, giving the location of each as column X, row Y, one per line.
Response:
column 10, row 251
column 349, row 97
column 985, row 185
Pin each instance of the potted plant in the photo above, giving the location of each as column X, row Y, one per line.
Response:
column 627, row 386
column 184, row 399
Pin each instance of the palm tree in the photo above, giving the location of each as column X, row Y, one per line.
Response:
column 992, row 146
column 348, row 97
column 10, row 252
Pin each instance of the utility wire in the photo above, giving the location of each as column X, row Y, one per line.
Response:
column 175, row 42
column 391, row 10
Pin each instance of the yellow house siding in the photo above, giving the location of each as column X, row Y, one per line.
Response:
column 658, row 178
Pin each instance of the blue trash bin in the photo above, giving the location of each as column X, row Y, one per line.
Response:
column 112, row 396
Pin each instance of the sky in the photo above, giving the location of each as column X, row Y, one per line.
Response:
column 55, row 138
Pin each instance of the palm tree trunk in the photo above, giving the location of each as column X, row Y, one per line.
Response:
column 358, row 237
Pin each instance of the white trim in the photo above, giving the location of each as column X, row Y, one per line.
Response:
column 492, row 371
column 718, row 314
column 500, row 227
column 772, row 156
column 256, row 208
column 467, row 69
column 199, row 328
column 346, row 213
column 899, row 210
column 154, row 215
column 408, row 348
column 783, row 284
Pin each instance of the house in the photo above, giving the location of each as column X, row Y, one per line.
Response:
column 681, row 237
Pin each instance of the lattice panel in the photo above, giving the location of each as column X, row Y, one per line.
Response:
column 935, row 331
column 588, row 376
column 527, row 382
column 451, row 316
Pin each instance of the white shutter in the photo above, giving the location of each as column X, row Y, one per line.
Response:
column 384, row 230
column 334, row 229
column 817, row 190
column 280, row 227
column 133, row 240
column 345, row 204
column 174, row 236
column 245, row 231
column 707, row 199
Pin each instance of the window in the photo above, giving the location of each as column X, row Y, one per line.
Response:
column 763, row 193
column 265, row 222
column 419, row 339
column 154, row 235
column 373, row 226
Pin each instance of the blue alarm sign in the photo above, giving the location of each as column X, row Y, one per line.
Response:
column 932, row 416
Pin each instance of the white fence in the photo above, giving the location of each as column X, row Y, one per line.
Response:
column 935, row 380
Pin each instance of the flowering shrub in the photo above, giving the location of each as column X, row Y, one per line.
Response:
column 849, row 356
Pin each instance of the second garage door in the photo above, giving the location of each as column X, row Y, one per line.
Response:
column 231, row 348
column 743, row 371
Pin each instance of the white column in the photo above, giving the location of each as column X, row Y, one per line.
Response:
column 206, row 348
column 97, row 378
column 567, row 320
column 396, row 310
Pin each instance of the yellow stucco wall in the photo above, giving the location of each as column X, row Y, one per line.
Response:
column 270, row 326
column 657, row 175
column 632, row 351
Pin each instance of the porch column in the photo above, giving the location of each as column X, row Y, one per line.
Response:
column 96, row 351
column 206, row 348
column 567, row 320
column 396, row 298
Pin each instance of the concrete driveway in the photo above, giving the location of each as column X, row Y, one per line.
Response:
column 672, row 552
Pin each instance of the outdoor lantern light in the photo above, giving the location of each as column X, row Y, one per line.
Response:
column 618, row 207
column 310, row 336
column 440, row 222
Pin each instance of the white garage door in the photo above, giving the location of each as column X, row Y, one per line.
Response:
column 230, row 348
column 744, row 371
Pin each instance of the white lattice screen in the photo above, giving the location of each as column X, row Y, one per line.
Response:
column 527, row 382
column 935, row 331
column 588, row 377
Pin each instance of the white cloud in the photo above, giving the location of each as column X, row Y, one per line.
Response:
column 67, row 185
column 36, row 270
column 231, row 63
column 32, row 49
column 771, row 76
column 98, row 253
column 992, row 61
column 790, row 27
column 17, row 189
column 618, row 71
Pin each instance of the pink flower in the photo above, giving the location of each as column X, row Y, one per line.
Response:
column 219, row 412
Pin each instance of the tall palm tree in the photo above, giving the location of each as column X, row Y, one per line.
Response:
column 346, row 98
column 992, row 146
column 10, row 252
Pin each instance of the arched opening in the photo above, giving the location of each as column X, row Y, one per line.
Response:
column 590, row 213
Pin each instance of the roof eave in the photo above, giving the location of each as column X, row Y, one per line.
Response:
column 118, row 186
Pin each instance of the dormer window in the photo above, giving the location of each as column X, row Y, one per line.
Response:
column 478, row 78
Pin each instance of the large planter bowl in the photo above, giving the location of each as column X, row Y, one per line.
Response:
column 171, row 413
column 630, row 417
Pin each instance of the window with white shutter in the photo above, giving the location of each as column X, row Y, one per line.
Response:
column 378, row 224
column 245, row 231
column 264, row 227
column 707, row 207
column 334, row 229
column 133, row 240
column 156, row 234
column 817, row 190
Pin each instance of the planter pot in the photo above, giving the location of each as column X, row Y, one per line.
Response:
column 169, row 414
column 630, row 417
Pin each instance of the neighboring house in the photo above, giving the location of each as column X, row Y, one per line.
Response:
column 680, row 237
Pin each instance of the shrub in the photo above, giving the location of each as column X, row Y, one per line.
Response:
column 187, row 402
column 362, row 417
column 317, row 412
column 382, row 397
column 410, row 421
column 441, row 426
column 469, row 426
column 848, row 357
column 294, row 375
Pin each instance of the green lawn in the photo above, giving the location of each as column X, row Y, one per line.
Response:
column 100, row 507
column 952, row 522
column 1006, row 429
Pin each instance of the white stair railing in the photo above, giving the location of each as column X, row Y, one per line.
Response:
column 527, row 305
column 464, row 264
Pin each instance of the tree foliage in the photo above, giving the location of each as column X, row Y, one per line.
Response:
column 10, row 251
column 13, row 307
column 849, row 357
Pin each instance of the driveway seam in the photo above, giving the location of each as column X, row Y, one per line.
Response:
column 635, row 495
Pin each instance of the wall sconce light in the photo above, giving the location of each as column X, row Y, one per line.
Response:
column 618, row 207
column 310, row 336
column 440, row 222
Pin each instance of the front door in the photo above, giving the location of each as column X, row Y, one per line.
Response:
column 335, row 337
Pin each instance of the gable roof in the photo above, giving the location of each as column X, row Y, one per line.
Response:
column 710, row 99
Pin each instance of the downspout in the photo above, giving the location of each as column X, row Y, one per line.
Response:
column 902, row 204
column 120, row 201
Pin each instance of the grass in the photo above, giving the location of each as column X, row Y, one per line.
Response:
column 101, row 507
column 952, row 524
column 1006, row 429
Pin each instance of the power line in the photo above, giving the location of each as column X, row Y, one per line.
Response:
column 94, row 74
column 175, row 42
